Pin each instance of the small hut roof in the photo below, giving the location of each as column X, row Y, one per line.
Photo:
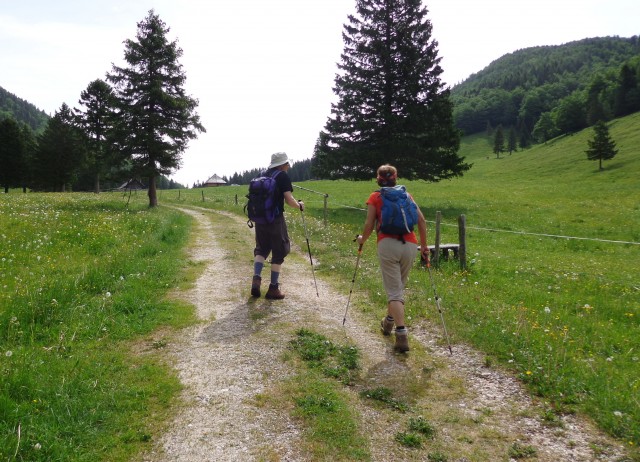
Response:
column 133, row 183
column 215, row 179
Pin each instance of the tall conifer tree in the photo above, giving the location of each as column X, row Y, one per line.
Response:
column 97, row 121
column 157, row 118
column 12, row 153
column 392, row 106
column 61, row 151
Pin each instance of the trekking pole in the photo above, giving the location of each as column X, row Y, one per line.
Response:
column 353, row 281
column 438, row 305
column 309, row 247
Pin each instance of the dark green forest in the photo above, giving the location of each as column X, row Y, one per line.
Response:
column 299, row 171
column 30, row 123
column 22, row 111
column 546, row 91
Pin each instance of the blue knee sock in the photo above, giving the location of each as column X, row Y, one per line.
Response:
column 257, row 268
column 274, row 278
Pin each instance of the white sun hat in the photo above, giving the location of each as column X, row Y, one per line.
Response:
column 277, row 159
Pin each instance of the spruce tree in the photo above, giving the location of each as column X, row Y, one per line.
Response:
column 97, row 121
column 392, row 106
column 11, row 153
column 512, row 144
column 601, row 147
column 60, row 153
column 498, row 141
column 157, row 118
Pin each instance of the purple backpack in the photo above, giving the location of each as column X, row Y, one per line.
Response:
column 262, row 206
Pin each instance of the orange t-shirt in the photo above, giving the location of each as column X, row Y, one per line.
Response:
column 376, row 201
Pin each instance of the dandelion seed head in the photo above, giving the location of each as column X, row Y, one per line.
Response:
column 9, row 353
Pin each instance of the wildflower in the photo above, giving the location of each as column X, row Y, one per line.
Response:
column 547, row 309
column 609, row 359
column 37, row 446
column 617, row 413
column 108, row 294
column 9, row 353
column 529, row 372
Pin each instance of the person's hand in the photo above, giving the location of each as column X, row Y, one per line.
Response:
column 359, row 239
column 301, row 205
column 426, row 254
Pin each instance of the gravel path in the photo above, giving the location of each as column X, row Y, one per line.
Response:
column 234, row 356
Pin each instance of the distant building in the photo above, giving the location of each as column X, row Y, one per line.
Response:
column 215, row 180
column 133, row 184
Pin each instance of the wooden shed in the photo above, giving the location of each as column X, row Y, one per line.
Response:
column 215, row 180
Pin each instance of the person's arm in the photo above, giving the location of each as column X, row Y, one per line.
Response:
column 369, row 224
column 292, row 202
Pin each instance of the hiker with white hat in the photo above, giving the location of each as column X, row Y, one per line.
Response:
column 272, row 238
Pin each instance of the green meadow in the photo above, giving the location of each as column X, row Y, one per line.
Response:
column 83, row 282
column 552, row 285
column 551, row 291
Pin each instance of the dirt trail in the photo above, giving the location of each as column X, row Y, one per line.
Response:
column 235, row 355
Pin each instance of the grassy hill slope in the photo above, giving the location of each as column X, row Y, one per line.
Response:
column 550, row 188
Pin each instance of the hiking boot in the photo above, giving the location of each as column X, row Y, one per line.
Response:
column 255, row 286
column 274, row 293
column 402, row 341
column 387, row 326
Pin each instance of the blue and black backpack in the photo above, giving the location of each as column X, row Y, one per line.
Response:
column 399, row 213
column 262, row 206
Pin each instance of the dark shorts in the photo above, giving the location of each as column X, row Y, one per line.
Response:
column 273, row 239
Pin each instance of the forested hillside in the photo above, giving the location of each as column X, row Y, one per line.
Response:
column 22, row 111
column 545, row 91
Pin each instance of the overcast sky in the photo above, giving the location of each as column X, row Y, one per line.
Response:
column 263, row 70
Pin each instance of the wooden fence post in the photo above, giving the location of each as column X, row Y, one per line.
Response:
column 326, row 196
column 202, row 195
column 436, row 243
column 462, row 239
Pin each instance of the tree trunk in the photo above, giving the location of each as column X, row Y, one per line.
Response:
column 153, row 193
column 96, row 184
